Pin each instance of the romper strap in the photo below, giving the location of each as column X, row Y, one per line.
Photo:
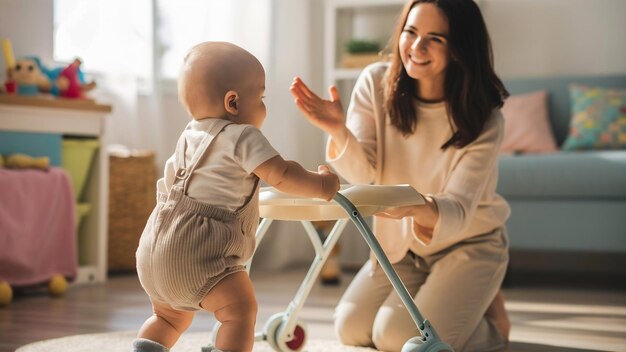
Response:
column 182, row 171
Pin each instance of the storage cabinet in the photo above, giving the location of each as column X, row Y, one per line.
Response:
column 76, row 118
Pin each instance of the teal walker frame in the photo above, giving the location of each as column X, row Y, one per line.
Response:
column 284, row 332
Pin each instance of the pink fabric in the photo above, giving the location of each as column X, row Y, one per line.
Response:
column 37, row 228
column 526, row 124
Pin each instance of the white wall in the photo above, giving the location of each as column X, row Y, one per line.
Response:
column 557, row 37
column 29, row 26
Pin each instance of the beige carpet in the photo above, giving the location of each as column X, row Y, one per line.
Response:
column 192, row 341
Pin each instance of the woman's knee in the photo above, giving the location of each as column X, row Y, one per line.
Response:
column 392, row 328
column 351, row 327
column 386, row 339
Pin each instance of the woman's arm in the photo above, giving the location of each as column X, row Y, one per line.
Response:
column 452, row 210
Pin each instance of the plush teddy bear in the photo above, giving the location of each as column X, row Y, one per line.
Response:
column 29, row 77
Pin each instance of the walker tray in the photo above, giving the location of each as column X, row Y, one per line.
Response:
column 368, row 199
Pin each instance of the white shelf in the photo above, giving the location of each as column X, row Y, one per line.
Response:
column 354, row 19
column 78, row 121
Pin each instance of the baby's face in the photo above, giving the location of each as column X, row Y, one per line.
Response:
column 251, row 105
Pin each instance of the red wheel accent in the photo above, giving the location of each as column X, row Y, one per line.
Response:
column 298, row 339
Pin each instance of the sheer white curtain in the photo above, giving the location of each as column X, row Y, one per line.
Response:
column 184, row 23
column 114, row 40
column 134, row 50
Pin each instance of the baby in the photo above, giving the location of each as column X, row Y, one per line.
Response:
column 202, row 230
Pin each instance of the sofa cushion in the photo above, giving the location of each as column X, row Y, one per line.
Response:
column 565, row 175
column 598, row 119
column 526, row 124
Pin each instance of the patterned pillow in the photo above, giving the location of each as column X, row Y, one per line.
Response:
column 598, row 119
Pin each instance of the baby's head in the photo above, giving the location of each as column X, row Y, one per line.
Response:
column 222, row 80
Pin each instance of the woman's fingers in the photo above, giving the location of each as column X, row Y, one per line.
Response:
column 396, row 212
column 301, row 88
column 323, row 169
column 297, row 92
column 301, row 106
column 334, row 93
column 304, row 88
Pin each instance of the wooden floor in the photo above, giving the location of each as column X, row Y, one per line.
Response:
column 543, row 319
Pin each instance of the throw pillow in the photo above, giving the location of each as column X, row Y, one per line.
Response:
column 526, row 124
column 598, row 119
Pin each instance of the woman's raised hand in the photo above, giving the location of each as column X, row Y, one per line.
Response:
column 325, row 114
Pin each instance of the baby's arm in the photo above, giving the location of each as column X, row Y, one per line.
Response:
column 290, row 177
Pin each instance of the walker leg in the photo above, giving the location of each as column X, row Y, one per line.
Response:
column 283, row 331
column 322, row 251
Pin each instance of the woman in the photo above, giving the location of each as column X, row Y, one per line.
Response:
column 430, row 118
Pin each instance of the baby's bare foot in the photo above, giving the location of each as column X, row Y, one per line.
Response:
column 496, row 313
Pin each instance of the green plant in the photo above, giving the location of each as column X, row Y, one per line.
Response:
column 355, row 46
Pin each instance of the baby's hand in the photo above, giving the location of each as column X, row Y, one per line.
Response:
column 330, row 182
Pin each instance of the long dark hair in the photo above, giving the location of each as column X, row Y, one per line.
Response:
column 471, row 88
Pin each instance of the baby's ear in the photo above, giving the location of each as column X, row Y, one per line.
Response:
column 231, row 102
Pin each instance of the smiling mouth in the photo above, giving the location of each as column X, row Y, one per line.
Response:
column 418, row 61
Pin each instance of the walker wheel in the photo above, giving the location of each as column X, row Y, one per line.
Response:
column 274, row 328
column 420, row 344
column 299, row 337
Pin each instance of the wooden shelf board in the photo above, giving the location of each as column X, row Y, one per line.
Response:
column 52, row 102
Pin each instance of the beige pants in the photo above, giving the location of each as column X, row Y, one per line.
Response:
column 452, row 289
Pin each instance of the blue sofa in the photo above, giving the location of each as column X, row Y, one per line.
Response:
column 568, row 208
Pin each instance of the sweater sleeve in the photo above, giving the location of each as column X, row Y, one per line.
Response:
column 469, row 177
column 356, row 162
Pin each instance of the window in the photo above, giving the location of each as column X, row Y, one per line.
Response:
column 117, row 35
column 184, row 23
column 109, row 36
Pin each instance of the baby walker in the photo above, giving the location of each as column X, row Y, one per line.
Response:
column 284, row 331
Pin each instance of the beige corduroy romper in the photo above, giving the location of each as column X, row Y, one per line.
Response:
column 188, row 246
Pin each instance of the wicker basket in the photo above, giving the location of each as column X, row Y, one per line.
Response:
column 132, row 196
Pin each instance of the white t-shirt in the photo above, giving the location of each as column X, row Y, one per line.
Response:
column 223, row 177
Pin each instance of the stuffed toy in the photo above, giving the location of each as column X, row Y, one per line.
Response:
column 29, row 77
column 23, row 161
column 69, row 81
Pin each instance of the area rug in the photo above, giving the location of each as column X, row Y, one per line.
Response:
column 189, row 342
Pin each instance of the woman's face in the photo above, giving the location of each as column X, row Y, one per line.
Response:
column 424, row 43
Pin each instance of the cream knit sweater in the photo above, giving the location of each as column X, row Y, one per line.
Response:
column 461, row 181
